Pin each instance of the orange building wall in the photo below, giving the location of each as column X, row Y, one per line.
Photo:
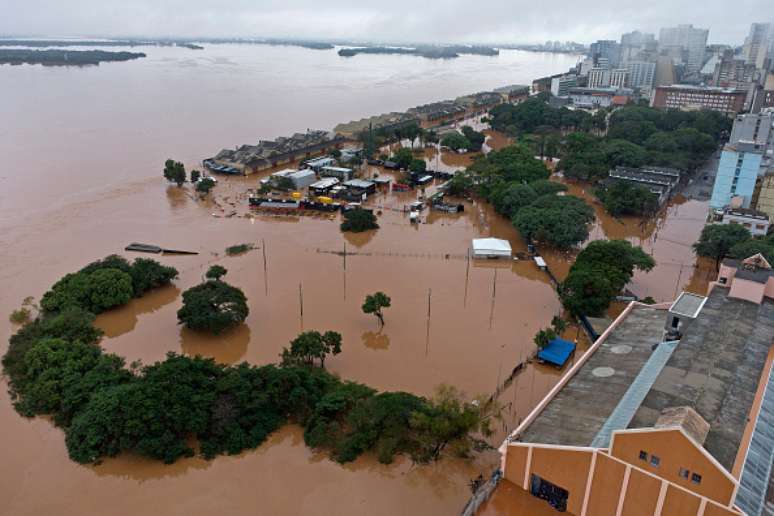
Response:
column 515, row 462
column 641, row 494
column 605, row 485
column 678, row 501
column 675, row 451
column 568, row 469
column 716, row 510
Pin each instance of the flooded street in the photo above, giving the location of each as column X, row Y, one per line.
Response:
column 84, row 151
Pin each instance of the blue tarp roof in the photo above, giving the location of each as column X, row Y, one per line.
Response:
column 557, row 352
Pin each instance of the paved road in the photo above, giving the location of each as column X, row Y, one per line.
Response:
column 700, row 188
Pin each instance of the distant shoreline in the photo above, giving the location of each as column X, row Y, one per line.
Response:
column 59, row 57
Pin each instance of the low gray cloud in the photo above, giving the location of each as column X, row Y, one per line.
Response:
column 493, row 21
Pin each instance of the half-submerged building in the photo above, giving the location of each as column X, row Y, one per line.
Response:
column 671, row 411
column 249, row 159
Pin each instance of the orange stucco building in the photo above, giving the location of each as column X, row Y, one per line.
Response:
column 671, row 411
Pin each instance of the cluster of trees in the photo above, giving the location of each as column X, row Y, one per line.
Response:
column 359, row 220
column 562, row 221
column 373, row 139
column 469, row 139
column 517, row 185
column 456, row 141
column 535, row 115
column 106, row 283
column 403, row 157
column 56, row 367
column 475, row 138
column 174, row 172
column 545, row 335
column 599, row 273
column 213, row 306
column 310, row 347
column 718, row 241
column 624, row 198
column 640, row 135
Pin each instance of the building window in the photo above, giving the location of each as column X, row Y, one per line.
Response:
column 696, row 478
column 643, row 455
column 684, row 473
column 654, row 461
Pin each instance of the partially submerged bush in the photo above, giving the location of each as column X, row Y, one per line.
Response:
column 239, row 249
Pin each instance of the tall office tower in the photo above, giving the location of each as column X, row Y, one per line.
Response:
column 633, row 44
column 756, row 45
column 606, row 49
column 685, row 43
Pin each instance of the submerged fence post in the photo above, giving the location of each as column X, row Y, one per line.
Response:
column 301, row 298
column 265, row 271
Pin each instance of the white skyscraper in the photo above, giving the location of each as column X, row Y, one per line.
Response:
column 756, row 45
column 687, row 42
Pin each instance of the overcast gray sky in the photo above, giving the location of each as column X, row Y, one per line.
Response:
column 491, row 21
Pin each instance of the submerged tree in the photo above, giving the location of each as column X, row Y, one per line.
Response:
column 174, row 172
column 359, row 220
column 374, row 303
column 213, row 306
column 216, row 272
column 310, row 346
column 204, row 185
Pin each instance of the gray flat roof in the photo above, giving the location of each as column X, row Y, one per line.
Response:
column 577, row 413
column 716, row 370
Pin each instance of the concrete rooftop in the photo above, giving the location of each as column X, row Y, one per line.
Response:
column 576, row 415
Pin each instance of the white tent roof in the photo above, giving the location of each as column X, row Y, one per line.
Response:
column 491, row 246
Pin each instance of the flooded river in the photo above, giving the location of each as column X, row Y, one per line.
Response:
column 83, row 153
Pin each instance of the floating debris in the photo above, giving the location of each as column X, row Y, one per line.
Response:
column 150, row 248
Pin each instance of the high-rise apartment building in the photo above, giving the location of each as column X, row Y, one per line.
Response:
column 599, row 78
column 686, row 43
column 738, row 171
column 618, row 77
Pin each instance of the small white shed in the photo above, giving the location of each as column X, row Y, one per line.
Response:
column 491, row 248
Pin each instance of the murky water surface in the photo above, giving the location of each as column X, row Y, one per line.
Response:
column 83, row 151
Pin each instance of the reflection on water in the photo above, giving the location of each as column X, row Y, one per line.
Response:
column 376, row 340
column 177, row 197
column 360, row 239
column 123, row 320
column 228, row 347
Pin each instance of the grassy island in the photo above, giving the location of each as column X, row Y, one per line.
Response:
column 59, row 57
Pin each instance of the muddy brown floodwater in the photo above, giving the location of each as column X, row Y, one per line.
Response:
column 483, row 315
